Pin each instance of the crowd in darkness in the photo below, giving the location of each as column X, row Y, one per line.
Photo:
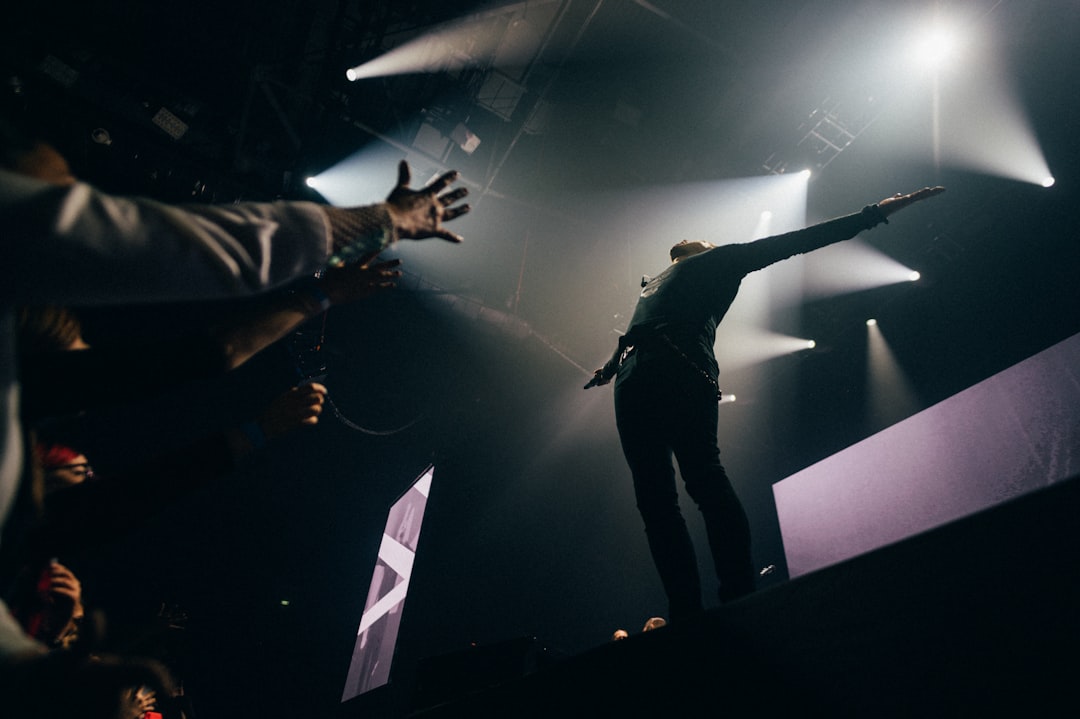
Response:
column 67, row 245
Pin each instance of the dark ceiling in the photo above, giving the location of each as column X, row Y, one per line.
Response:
column 481, row 352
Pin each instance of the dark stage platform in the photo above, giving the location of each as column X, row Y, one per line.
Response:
column 975, row 619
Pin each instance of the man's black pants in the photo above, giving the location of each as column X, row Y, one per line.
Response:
column 666, row 409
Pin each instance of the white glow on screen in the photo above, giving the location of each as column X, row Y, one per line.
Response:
column 914, row 276
column 871, row 322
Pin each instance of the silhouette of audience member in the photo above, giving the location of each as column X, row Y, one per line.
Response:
column 48, row 604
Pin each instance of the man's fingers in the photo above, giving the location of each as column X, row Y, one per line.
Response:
column 442, row 182
column 924, row 193
column 451, row 197
column 449, row 236
column 454, row 212
column 403, row 174
column 314, row 387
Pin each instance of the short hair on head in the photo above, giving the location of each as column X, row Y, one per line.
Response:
column 687, row 248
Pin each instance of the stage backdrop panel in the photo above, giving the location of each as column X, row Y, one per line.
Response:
column 1013, row 433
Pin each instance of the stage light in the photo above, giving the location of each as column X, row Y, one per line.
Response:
column 466, row 42
column 851, row 267
column 355, row 179
column 811, row 344
column 101, row 136
column 466, row 139
column 807, row 173
column 871, row 322
column 981, row 123
column 914, row 276
column 936, row 46
column 1048, row 181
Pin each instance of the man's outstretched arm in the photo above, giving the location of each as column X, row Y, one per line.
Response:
column 766, row 251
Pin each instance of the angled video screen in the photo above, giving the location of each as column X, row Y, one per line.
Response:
column 377, row 635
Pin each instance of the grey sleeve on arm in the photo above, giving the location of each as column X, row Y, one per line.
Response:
column 78, row 245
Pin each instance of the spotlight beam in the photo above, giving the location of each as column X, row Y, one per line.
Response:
column 439, row 49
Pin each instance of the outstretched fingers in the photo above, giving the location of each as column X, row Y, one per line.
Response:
column 455, row 212
column 899, row 201
column 404, row 176
column 442, row 182
column 453, row 196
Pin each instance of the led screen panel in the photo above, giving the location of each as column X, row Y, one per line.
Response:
column 377, row 635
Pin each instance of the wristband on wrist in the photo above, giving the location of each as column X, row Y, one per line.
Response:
column 357, row 231
column 874, row 215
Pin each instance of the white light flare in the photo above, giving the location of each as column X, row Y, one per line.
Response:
column 937, row 46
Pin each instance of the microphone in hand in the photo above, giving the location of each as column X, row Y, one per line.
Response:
column 597, row 379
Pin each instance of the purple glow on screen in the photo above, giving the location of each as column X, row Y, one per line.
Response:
column 1013, row 433
column 377, row 634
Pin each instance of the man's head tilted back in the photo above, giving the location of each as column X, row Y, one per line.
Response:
column 688, row 248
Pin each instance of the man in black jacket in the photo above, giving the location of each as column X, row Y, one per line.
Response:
column 666, row 397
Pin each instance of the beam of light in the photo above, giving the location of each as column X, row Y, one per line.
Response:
column 890, row 397
column 851, row 267
column 500, row 37
column 739, row 346
column 364, row 177
column 649, row 220
column 985, row 128
column 722, row 212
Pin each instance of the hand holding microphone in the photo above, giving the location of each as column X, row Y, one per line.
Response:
column 597, row 380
